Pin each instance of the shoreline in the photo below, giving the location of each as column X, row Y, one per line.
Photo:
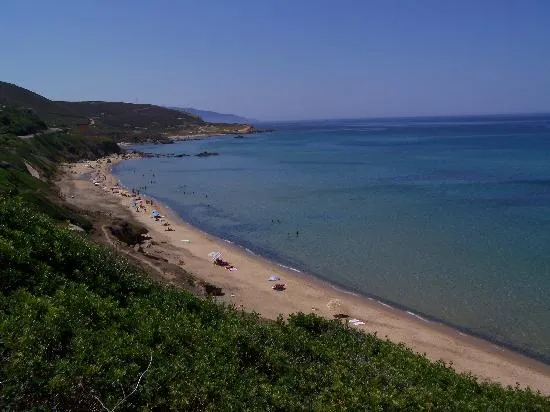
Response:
column 248, row 130
column 276, row 260
column 248, row 288
column 197, row 136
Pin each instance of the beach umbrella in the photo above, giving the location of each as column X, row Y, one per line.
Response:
column 274, row 278
column 214, row 255
column 155, row 213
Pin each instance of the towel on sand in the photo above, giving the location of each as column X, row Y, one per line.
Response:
column 356, row 322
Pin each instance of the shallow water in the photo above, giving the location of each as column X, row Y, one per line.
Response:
column 449, row 218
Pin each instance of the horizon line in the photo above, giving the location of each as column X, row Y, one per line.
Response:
column 396, row 117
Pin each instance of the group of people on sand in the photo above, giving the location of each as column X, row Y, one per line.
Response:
column 141, row 205
column 138, row 204
column 224, row 264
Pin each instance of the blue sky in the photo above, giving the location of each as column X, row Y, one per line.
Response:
column 285, row 59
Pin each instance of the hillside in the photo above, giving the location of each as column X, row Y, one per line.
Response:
column 19, row 121
column 214, row 117
column 82, row 329
column 118, row 120
column 132, row 119
column 54, row 114
column 42, row 153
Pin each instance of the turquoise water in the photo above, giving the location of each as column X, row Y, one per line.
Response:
column 449, row 218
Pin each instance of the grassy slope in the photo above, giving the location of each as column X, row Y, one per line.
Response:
column 79, row 325
column 19, row 122
column 126, row 119
column 44, row 152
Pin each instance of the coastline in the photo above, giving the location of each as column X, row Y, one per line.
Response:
column 196, row 136
column 248, row 288
column 302, row 270
column 248, row 129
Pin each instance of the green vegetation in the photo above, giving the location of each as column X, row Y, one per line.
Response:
column 80, row 327
column 117, row 116
column 19, row 121
column 118, row 120
column 43, row 152
column 52, row 113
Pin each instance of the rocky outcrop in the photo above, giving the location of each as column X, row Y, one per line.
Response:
column 206, row 154
column 126, row 232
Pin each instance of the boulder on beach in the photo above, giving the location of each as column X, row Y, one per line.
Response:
column 75, row 228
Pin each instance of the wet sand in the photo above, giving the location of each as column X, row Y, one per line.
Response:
column 248, row 287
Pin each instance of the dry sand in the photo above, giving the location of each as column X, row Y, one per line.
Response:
column 248, row 287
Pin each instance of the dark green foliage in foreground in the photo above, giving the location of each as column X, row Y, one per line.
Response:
column 79, row 326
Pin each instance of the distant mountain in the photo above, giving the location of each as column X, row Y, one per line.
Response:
column 214, row 117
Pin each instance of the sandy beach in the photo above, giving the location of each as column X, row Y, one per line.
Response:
column 91, row 186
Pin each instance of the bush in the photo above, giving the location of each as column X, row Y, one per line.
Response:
column 81, row 328
column 17, row 121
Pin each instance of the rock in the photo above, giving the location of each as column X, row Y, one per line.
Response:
column 126, row 232
column 32, row 171
column 206, row 154
column 76, row 228
column 211, row 290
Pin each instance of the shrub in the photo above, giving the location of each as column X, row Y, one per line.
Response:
column 81, row 328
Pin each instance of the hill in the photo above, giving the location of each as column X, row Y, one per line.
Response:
column 54, row 114
column 118, row 120
column 214, row 117
column 42, row 153
column 19, row 121
column 121, row 118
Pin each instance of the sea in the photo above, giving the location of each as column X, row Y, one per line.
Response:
column 447, row 218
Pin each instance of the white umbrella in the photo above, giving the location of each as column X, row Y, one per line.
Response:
column 214, row 255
